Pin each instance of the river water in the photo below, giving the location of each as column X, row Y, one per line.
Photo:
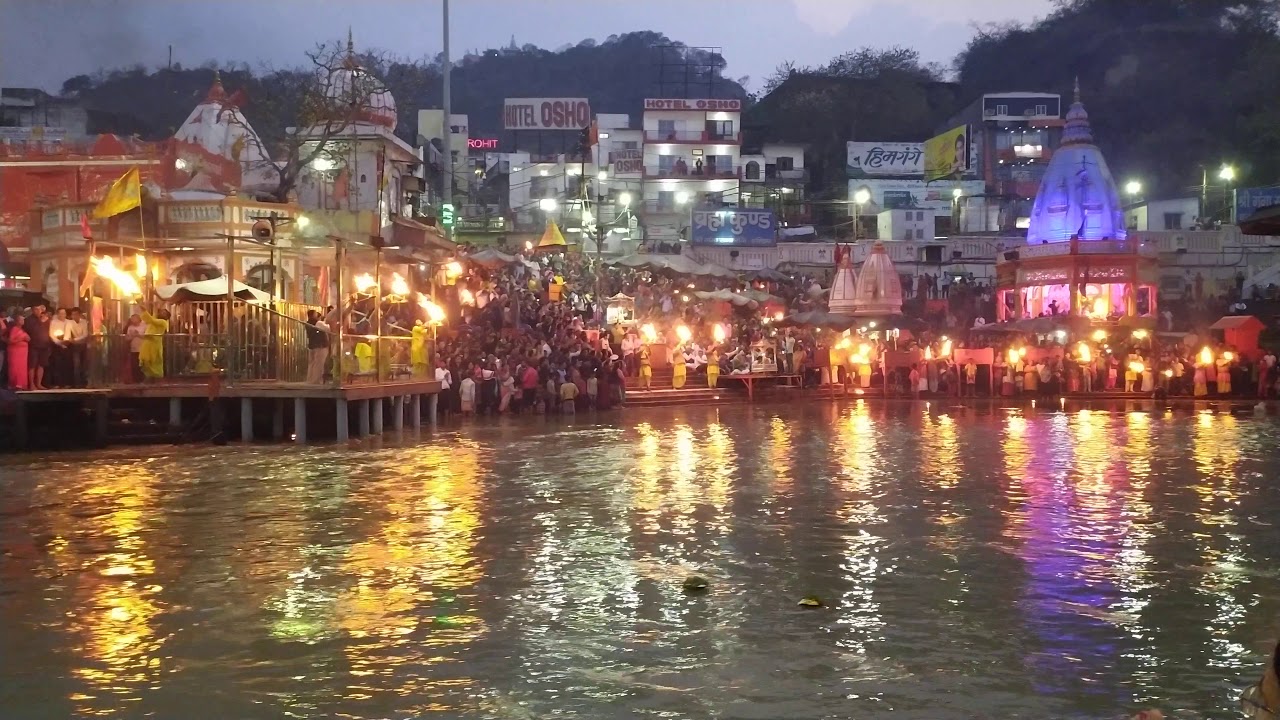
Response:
column 973, row 563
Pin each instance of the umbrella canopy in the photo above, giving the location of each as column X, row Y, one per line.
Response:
column 717, row 271
column 728, row 296
column 768, row 274
column 491, row 258
column 551, row 238
column 215, row 289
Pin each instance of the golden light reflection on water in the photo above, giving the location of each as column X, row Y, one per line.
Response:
column 406, row 604
column 1104, row 516
column 120, row 651
column 940, row 451
column 857, row 442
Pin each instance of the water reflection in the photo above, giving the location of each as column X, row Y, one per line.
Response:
column 1006, row 563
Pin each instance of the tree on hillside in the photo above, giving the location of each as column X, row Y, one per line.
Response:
column 1170, row 84
column 320, row 105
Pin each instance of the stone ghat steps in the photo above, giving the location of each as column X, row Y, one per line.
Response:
column 697, row 395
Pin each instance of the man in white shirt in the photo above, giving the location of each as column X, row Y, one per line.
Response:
column 77, row 339
column 60, row 359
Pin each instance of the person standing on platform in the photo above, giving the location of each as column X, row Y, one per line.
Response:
column 971, row 378
column 646, row 368
column 78, row 347
column 418, row 349
column 678, row 368
column 317, row 347
column 151, row 355
column 37, row 328
column 59, row 358
column 1201, row 380
column 1224, row 376
column 467, row 393
column 713, row 367
column 788, row 353
column 16, row 355
column 134, row 333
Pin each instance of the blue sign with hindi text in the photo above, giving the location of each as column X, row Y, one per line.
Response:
column 1250, row 200
column 733, row 227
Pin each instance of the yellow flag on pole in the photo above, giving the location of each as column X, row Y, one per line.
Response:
column 124, row 194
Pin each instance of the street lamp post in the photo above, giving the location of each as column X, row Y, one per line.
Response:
column 860, row 198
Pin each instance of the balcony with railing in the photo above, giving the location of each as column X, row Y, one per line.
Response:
column 693, row 137
column 705, row 173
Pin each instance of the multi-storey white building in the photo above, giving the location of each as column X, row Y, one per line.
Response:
column 692, row 156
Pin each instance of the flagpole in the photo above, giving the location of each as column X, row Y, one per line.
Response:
column 146, row 257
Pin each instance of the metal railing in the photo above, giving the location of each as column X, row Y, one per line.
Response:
column 247, row 343
column 243, row 342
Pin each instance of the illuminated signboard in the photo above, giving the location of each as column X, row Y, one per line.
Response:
column 683, row 104
column 482, row 143
column 546, row 114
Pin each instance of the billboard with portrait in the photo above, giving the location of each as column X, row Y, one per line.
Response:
column 947, row 155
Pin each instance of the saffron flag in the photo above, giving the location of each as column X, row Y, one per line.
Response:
column 85, row 231
column 124, row 195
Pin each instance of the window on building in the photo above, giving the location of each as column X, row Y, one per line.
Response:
column 1002, row 109
column 753, row 170
column 666, row 200
column 719, row 129
column 1042, row 109
column 785, row 163
column 628, row 145
column 719, row 164
column 667, row 129
column 667, row 163
column 542, row 187
column 1173, row 221
column 919, row 233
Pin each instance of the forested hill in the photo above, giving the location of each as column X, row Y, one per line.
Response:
column 1170, row 85
column 616, row 75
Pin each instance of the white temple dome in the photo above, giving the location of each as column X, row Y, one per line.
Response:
column 879, row 289
column 1077, row 196
column 352, row 84
column 840, row 300
column 217, row 144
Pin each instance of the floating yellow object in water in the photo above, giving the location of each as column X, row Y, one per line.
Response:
column 811, row 601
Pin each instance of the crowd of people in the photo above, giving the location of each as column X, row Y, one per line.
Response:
column 40, row 350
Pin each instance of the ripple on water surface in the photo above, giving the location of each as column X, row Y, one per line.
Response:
column 973, row 563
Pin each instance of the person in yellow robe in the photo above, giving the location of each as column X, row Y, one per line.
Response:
column 418, row 350
column 364, row 356
column 151, row 354
column 1224, row 376
column 1200, row 383
column 713, row 367
column 678, row 368
column 646, row 368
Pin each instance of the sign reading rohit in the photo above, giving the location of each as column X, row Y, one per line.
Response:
column 740, row 228
column 546, row 114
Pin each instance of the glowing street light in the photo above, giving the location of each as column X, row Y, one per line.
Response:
column 1133, row 187
column 302, row 222
column 548, row 205
column 1227, row 173
column 625, row 199
column 323, row 164
column 862, row 196
column 682, row 198
column 603, row 175
column 957, row 193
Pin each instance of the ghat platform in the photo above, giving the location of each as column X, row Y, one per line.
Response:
column 277, row 410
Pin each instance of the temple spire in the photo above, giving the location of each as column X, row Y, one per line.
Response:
column 1077, row 130
column 351, row 45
